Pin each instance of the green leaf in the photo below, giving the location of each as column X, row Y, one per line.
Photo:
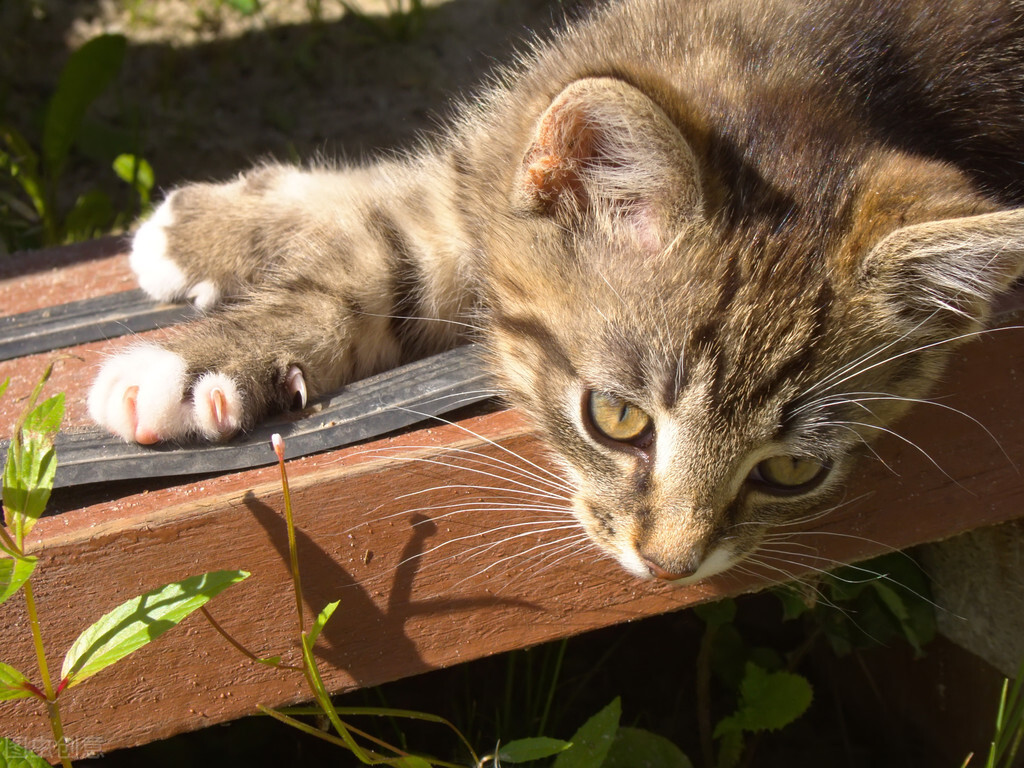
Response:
column 717, row 613
column 139, row 621
column 245, row 7
column 92, row 214
column 322, row 619
column 137, row 172
column 889, row 598
column 729, row 654
column 1009, row 730
column 794, row 604
column 86, row 75
column 12, row 684
column 637, row 748
column 14, row 571
column 915, row 615
column 45, row 418
column 768, row 701
column 537, row 748
column 3, row 387
column 31, row 461
column 28, row 480
column 16, row 756
column 591, row 743
column 23, row 167
column 730, row 749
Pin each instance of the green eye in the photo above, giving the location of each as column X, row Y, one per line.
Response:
column 789, row 473
column 616, row 418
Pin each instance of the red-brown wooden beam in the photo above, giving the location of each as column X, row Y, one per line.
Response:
column 421, row 588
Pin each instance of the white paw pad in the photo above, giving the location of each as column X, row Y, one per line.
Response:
column 140, row 396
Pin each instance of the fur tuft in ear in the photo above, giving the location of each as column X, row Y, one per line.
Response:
column 603, row 146
column 939, row 279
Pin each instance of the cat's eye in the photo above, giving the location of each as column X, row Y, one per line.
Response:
column 617, row 419
column 789, row 474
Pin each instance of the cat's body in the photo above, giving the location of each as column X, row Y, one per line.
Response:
column 713, row 246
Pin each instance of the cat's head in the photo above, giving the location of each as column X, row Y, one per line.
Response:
column 704, row 359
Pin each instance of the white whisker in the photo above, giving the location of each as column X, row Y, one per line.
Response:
column 909, row 442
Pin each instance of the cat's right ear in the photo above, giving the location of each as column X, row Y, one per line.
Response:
column 604, row 148
column 938, row 279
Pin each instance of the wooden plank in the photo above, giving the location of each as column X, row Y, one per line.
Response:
column 44, row 278
column 422, row 583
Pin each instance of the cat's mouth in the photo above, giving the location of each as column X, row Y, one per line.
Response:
column 719, row 559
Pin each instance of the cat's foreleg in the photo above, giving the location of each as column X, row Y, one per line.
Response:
column 356, row 280
column 273, row 352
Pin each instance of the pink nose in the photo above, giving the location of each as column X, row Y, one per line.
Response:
column 660, row 573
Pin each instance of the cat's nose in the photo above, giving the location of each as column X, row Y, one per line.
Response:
column 678, row 570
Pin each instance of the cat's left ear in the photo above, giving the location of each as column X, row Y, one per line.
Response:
column 938, row 279
column 604, row 148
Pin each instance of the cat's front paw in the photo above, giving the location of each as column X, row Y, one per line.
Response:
column 158, row 273
column 145, row 395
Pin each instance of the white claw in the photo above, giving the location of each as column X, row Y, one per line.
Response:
column 296, row 386
column 218, row 406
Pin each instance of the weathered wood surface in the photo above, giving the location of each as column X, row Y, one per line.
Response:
column 432, row 564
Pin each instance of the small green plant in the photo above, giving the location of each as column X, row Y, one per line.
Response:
column 27, row 482
column 860, row 606
column 768, row 696
column 1009, row 727
column 850, row 608
column 602, row 742
column 30, row 178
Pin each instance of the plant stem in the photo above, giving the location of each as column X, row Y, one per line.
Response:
column 551, row 688
column 278, row 444
column 241, row 648
column 52, row 707
column 704, row 694
column 37, row 638
column 53, row 710
column 9, row 543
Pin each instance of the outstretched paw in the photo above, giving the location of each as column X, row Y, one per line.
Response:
column 158, row 274
column 145, row 396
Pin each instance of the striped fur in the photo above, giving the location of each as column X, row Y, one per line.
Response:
column 747, row 218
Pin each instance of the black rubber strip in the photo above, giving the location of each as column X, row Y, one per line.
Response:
column 365, row 409
column 78, row 322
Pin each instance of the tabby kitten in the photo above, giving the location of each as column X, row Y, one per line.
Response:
column 713, row 246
